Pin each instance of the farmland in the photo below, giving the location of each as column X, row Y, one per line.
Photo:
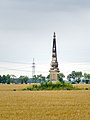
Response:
column 43, row 105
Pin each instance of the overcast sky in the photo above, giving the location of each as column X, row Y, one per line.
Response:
column 26, row 32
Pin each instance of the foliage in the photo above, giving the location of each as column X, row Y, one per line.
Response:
column 76, row 76
column 23, row 79
column 38, row 78
column 48, row 76
column 12, row 79
column 86, row 78
column 61, row 76
column 5, row 79
column 52, row 86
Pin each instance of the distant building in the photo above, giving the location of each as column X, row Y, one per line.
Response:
column 54, row 70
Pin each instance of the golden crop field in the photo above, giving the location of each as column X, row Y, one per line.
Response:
column 11, row 87
column 82, row 85
column 43, row 105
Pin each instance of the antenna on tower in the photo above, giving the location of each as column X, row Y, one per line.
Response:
column 33, row 68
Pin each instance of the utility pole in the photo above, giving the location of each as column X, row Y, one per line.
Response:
column 33, row 68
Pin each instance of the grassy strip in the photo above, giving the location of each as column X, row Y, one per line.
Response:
column 52, row 86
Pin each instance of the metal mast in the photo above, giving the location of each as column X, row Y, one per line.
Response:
column 33, row 68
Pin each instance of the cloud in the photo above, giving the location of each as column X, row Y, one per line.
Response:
column 44, row 6
column 27, row 26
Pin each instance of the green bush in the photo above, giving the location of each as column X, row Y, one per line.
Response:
column 34, row 86
column 52, row 86
column 49, row 84
column 58, row 84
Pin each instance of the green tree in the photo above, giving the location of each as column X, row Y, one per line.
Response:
column 76, row 76
column 39, row 78
column 13, row 78
column 69, row 77
column 0, row 79
column 23, row 79
column 86, row 77
column 35, row 78
column 61, row 76
column 26, row 79
column 48, row 76
column 8, row 79
column 4, row 79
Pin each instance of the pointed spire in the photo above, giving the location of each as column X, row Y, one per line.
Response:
column 54, row 70
column 54, row 53
column 54, row 35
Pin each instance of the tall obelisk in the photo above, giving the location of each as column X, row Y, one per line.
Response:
column 54, row 70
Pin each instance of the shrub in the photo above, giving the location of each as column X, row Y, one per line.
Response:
column 34, row 86
column 49, row 84
column 58, row 84
column 52, row 86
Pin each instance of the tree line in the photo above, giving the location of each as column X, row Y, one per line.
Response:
column 74, row 77
column 77, row 77
column 12, row 79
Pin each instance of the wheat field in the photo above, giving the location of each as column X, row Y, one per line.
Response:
column 43, row 105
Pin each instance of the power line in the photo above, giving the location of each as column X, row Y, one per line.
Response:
column 15, row 69
column 21, row 70
column 5, row 61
